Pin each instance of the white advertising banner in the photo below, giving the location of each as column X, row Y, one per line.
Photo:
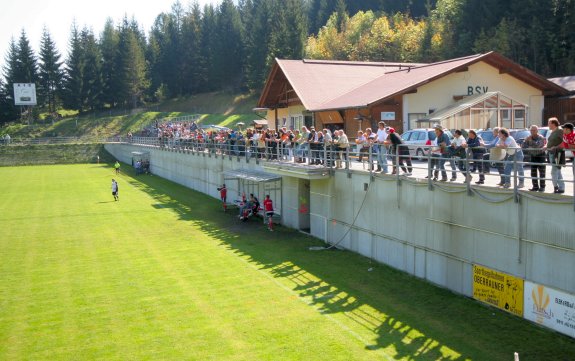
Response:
column 387, row 116
column 550, row 308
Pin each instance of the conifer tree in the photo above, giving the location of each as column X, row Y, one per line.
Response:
column 50, row 72
column 92, row 84
column 74, row 70
column 9, row 110
column 109, row 51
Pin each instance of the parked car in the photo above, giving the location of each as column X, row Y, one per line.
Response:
column 420, row 140
column 518, row 134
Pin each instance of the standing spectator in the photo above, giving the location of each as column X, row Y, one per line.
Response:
column 441, row 153
column 329, row 147
column 372, row 146
column 569, row 142
column 476, row 145
column 534, row 145
column 115, row 190
column 224, row 196
column 362, row 145
column 296, row 143
column 304, row 144
column 457, row 153
column 556, row 155
column 261, row 144
column 117, row 167
column 269, row 211
column 400, row 153
column 316, row 141
column 487, row 158
column 342, row 146
column 382, row 150
column 513, row 158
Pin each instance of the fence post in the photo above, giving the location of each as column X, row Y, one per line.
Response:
column 515, row 189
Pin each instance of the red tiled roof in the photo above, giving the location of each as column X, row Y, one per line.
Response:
column 328, row 85
column 393, row 82
column 316, row 81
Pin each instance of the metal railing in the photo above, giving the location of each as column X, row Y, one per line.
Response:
column 18, row 141
column 330, row 156
column 430, row 165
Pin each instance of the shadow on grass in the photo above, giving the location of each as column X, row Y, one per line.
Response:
column 388, row 310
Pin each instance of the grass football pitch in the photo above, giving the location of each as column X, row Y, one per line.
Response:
column 164, row 274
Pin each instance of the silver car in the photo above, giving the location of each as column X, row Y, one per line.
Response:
column 420, row 140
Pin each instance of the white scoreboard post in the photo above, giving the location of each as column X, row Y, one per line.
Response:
column 24, row 94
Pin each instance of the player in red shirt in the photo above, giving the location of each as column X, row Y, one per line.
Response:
column 223, row 196
column 269, row 211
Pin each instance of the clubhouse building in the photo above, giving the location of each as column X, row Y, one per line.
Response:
column 473, row 92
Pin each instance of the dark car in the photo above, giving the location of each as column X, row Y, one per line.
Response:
column 518, row 134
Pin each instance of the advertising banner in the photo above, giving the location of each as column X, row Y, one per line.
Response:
column 498, row 289
column 550, row 308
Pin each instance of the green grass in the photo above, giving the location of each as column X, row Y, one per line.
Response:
column 164, row 274
column 220, row 108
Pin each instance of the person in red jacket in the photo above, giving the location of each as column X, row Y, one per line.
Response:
column 269, row 211
column 223, row 196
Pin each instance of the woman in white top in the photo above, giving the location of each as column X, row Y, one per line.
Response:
column 457, row 150
column 514, row 156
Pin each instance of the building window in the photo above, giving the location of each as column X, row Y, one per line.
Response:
column 296, row 122
column 505, row 115
column 413, row 117
column 519, row 115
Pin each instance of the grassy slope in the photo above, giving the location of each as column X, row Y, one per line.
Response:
column 215, row 108
column 163, row 274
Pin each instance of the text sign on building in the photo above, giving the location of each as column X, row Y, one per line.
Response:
column 24, row 94
column 387, row 116
column 550, row 308
column 498, row 289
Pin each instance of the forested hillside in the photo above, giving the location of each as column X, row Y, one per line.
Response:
column 194, row 49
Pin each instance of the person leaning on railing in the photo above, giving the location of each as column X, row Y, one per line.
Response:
column 304, row 152
column 569, row 143
column 514, row 158
column 316, row 144
column 400, row 153
column 440, row 153
column 491, row 157
column 556, row 155
column 362, row 145
column 457, row 155
column 534, row 145
column 329, row 147
column 342, row 146
column 477, row 147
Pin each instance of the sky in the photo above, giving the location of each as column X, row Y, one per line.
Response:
column 58, row 16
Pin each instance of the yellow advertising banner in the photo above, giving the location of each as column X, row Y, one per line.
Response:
column 498, row 289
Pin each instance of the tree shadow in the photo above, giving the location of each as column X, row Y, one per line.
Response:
column 402, row 316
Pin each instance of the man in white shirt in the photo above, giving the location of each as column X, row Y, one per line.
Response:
column 382, row 149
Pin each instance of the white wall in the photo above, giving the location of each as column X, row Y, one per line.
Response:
column 482, row 78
